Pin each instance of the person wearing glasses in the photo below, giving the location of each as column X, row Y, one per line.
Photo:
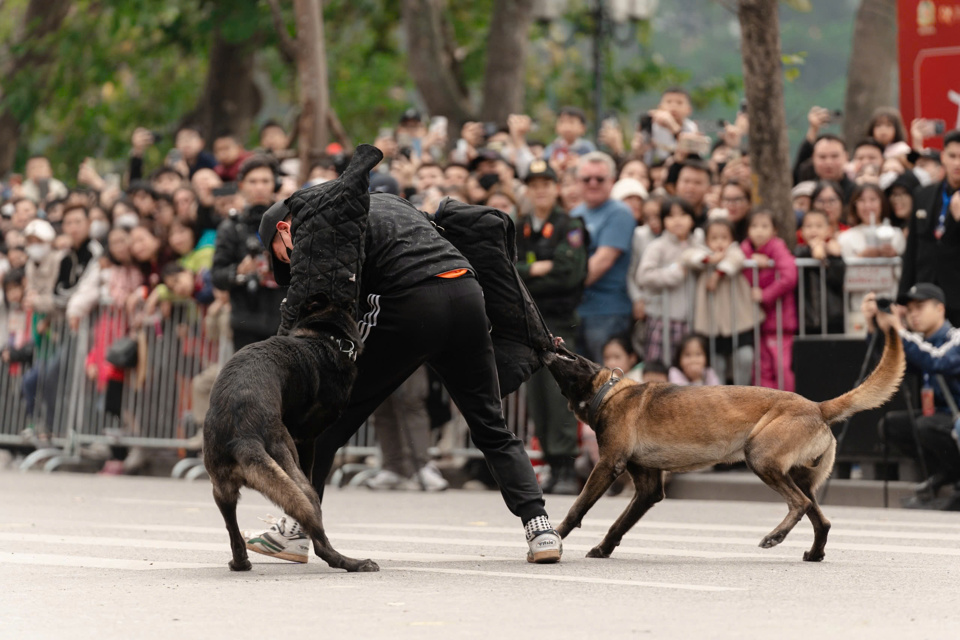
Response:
column 606, row 309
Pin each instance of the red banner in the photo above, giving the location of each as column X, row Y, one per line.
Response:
column 929, row 42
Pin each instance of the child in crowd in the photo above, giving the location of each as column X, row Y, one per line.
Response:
column 185, row 284
column 570, row 143
column 618, row 353
column 723, row 304
column 770, row 287
column 662, row 276
column 17, row 345
column 820, row 244
column 692, row 368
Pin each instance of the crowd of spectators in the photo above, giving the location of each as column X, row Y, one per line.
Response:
column 667, row 222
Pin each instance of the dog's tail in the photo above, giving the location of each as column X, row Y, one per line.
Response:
column 876, row 389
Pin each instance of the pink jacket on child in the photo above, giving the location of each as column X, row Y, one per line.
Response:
column 783, row 289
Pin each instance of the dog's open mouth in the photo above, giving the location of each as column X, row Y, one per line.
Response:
column 566, row 357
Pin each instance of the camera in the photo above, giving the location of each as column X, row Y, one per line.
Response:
column 883, row 304
column 253, row 248
column 646, row 123
column 939, row 127
column 490, row 129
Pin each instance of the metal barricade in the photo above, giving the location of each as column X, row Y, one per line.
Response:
column 69, row 396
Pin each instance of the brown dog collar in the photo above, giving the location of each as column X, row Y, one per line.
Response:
column 593, row 411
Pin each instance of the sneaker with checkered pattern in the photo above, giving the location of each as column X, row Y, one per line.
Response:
column 283, row 539
column 545, row 545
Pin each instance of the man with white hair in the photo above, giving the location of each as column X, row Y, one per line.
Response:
column 606, row 310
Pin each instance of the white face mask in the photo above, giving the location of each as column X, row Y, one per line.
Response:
column 127, row 221
column 99, row 229
column 37, row 252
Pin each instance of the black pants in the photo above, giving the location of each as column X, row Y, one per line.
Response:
column 441, row 322
column 939, row 449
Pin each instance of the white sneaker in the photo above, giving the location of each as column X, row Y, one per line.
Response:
column 545, row 545
column 429, row 478
column 284, row 539
column 386, row 480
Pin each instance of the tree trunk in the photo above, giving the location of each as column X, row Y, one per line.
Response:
column 763, row 84
column 230, row 98
column 433, row 64
column 41, row 18
column 873, row 63
column 314, row 123
column 503, row 82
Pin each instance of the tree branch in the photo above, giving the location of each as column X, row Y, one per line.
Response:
column 288, row 47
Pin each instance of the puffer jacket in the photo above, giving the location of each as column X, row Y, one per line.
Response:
column 328, row 229
column 487, row 238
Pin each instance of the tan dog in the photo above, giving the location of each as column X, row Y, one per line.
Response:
column 648, row 428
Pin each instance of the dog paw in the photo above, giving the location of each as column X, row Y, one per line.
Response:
column 367, row 566
column 809, row 556
column 772, row 540
column 242, row 565
column 597, row 552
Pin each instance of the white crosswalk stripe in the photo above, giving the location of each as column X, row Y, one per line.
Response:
column 481, row 549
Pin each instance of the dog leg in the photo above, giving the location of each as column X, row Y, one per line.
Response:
column 797, row 503
column 649, row 491
column 602, row 476
column 226, row 496
column 805, row 478
column 312, row 521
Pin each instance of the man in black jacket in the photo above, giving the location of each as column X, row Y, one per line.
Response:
column 933, row 242
column 239, row 265
column 553, row 264
column 420, row 303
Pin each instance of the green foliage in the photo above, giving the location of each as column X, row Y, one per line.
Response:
column 127, row 63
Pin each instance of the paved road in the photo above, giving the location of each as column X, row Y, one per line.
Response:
column 91, row 557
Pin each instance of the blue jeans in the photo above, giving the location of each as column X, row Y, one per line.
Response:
column 594, row 331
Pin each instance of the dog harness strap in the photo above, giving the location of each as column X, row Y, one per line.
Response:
column 594, row 409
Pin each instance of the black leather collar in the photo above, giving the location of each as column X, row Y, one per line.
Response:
column 593, row 411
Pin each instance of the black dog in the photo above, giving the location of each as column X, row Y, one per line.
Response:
column 268, row 405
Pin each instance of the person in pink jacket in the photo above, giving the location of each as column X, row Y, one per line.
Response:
column 777, row 281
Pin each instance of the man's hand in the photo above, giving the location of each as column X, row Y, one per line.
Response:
column 5, row 355
column 92, row 371
column 247, row 265
column 142, row 138
column 639, row 310
column 519, row 126
column 756, row 294
column 665, row 119
column 611, row 137
column 887, row 321
column 74, row 323
column 817, row 117
column 87, row 174
column 541, row 268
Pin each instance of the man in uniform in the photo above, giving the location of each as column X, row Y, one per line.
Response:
column 553, row 265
